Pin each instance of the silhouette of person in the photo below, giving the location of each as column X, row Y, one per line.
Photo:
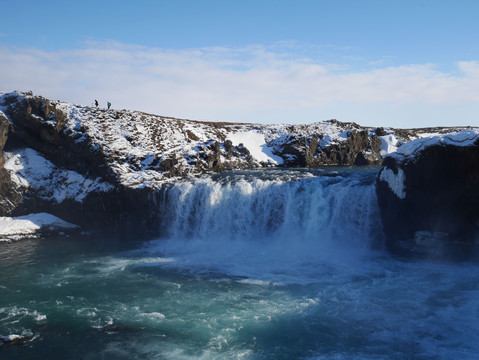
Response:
column 96, row 103
column 108, row 104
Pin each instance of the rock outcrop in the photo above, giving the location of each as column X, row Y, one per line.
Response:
column 107, row 169
column 428, row 193
column 135, row 149
column 361, row 146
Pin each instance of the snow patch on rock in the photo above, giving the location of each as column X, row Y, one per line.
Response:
column 463, row 138
column 144, row 150
column 395, row 181
column 29, row 169
column 256, row 144
column 136, row 143
column 389, row 144
column 14, row 228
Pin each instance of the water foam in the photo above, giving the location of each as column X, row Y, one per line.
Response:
column 269, row 229
column 310, row 289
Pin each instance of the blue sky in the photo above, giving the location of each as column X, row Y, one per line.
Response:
column 392, row 63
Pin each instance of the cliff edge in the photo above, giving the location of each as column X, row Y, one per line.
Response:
column 108, row 169
column 428, row 192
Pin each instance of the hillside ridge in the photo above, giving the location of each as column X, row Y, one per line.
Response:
column 76, row 162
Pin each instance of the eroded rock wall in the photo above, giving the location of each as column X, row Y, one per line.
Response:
column 133, row 155
column 38, row 123
column 9, row 197
column 429, row 200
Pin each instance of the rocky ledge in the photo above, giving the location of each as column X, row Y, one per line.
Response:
column 428, row 193
column 107, row 169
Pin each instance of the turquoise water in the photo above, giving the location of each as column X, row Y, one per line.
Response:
column 284, row 266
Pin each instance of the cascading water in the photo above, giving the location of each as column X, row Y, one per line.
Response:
column 281, row 205
column 276, row 264
column 241, row 220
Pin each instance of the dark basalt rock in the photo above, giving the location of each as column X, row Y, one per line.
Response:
column 357, row 149
column 119, row 213
column 214, row 156
column 9, row 196
column 420, row 220
column 300, row 151
column 439, row 212
column 38, row 124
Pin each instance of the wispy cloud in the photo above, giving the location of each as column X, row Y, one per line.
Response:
column 220, row 83
column 470, row 69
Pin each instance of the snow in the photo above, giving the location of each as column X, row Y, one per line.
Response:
column 135, row 143
column 28, row 168
column 22, row 226
column 134, row 147
column 256, row 144
column 395, row 181
column 463, row 138
column 389, row 144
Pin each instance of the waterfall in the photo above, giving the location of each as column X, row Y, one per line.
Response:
column 279, row 205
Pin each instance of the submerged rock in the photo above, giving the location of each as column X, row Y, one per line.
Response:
column 428, row 193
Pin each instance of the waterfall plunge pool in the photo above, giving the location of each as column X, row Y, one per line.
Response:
column 280, row 264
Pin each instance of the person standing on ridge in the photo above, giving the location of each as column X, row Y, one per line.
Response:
column 96, row 103
column 108, row 104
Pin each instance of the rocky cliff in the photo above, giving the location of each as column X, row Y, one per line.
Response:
column 428, row 192
column 108, row 169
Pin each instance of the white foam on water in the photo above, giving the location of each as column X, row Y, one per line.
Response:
column 40, row 317
column 12, row 337
column 268, row 230
column 153, row 316
column 101, row 323
column 14, row 313
column 367, row 309
column 255, row 282
column 305, row 285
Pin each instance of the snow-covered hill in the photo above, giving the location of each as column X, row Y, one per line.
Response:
column 142, row 150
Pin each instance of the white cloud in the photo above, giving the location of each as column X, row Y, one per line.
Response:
column 227, row 83
column 469, row 69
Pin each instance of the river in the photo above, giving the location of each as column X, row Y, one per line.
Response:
column 270, row 264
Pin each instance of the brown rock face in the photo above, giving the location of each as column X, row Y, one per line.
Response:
column 439, row 212
column 358, row 149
